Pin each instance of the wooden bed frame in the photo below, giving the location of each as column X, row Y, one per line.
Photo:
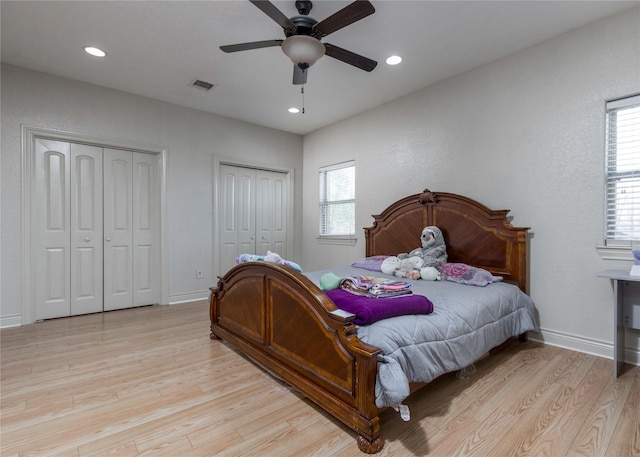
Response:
column 281, row 320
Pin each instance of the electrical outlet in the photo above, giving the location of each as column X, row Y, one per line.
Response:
column 199, row 274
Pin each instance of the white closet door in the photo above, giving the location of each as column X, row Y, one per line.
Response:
column 86, row 229
column 52, row 287
column 237, row 213
column 118, row 229
column 131, row 229
column 68, row 230
column 253, row 213
column 271, row 212
column 96, row 229
column 146, row 233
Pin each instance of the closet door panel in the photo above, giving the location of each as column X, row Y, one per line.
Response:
column 264, row 214
column 86, row 229
column 236, row 211
column 118, row 229
column 146, row 234
column 272, row 212
column 246, row 210
column 227, row 213
column 52, row 254
column 280, row 214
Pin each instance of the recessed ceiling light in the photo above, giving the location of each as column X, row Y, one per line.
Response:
column 394, row 60
column 294, row 110
column 97, row 52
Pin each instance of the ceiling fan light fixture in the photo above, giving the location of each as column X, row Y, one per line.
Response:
column 303, row 50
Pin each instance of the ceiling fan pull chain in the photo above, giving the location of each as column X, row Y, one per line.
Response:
column 302, row 92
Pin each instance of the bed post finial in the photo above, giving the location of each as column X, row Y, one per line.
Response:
column 427, row 196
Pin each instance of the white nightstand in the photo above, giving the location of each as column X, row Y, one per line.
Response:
column 625, row 315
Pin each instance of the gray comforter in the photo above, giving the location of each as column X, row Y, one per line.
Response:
column 466, row 323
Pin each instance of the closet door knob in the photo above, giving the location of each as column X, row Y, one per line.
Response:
column 108, row 239
column 87, row 239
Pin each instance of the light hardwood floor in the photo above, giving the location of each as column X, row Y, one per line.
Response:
column 149, row 382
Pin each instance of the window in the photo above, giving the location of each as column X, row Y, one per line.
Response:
column 337, row 200
column 623, row 172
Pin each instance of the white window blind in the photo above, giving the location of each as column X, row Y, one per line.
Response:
column 623, row 172
column 337, row 200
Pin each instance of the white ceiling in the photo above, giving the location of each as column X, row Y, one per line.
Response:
column 157, row 48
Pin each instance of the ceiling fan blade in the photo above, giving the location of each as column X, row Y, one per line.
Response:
column 299, row 75
column 350, row 57
column 346, row 16
column 274, row 13
column 251, row 45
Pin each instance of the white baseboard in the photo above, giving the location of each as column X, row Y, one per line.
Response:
column 10, row 321
column 16, row 321
column 581, row 344
column 185, row 298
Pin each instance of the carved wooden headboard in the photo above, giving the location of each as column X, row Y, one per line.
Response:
column 474, row 234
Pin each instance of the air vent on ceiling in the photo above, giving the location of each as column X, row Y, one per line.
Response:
column 202, row 84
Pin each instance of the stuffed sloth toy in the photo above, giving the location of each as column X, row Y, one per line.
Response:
column 433, row 251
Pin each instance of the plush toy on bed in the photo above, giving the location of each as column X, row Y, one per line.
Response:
column 433, row 251
column 430, row 274
column 409, row 268
column 273, row 257
column 270, row 257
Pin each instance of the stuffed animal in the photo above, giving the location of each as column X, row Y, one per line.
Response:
column 408, row 268
column 411, row 263
column 433, row 251
column 330, row 281
column 390, row 264
column 273, row 257
column 430, row 274
column 270, row 257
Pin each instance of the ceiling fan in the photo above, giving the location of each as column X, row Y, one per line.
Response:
column 303, row 34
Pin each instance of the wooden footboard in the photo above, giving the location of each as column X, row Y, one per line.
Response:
column 282, row 321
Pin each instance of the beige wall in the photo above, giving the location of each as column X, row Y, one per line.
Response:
column 524, row 133
column 192, row 139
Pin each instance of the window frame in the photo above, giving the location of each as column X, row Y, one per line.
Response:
column 612, row 175
column 618, row 247
column 324, row 203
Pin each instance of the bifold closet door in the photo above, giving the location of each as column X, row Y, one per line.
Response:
column 67, row 225
column 131, row 229
column 253, row 210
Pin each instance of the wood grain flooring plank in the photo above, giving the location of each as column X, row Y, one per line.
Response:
column 625, row 441
column 593, row 438
column 150, row 382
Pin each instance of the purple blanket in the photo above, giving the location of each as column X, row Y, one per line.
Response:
column 369, row 310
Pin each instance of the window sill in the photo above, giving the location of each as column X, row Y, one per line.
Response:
column 344, row 241
column 615, row 252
